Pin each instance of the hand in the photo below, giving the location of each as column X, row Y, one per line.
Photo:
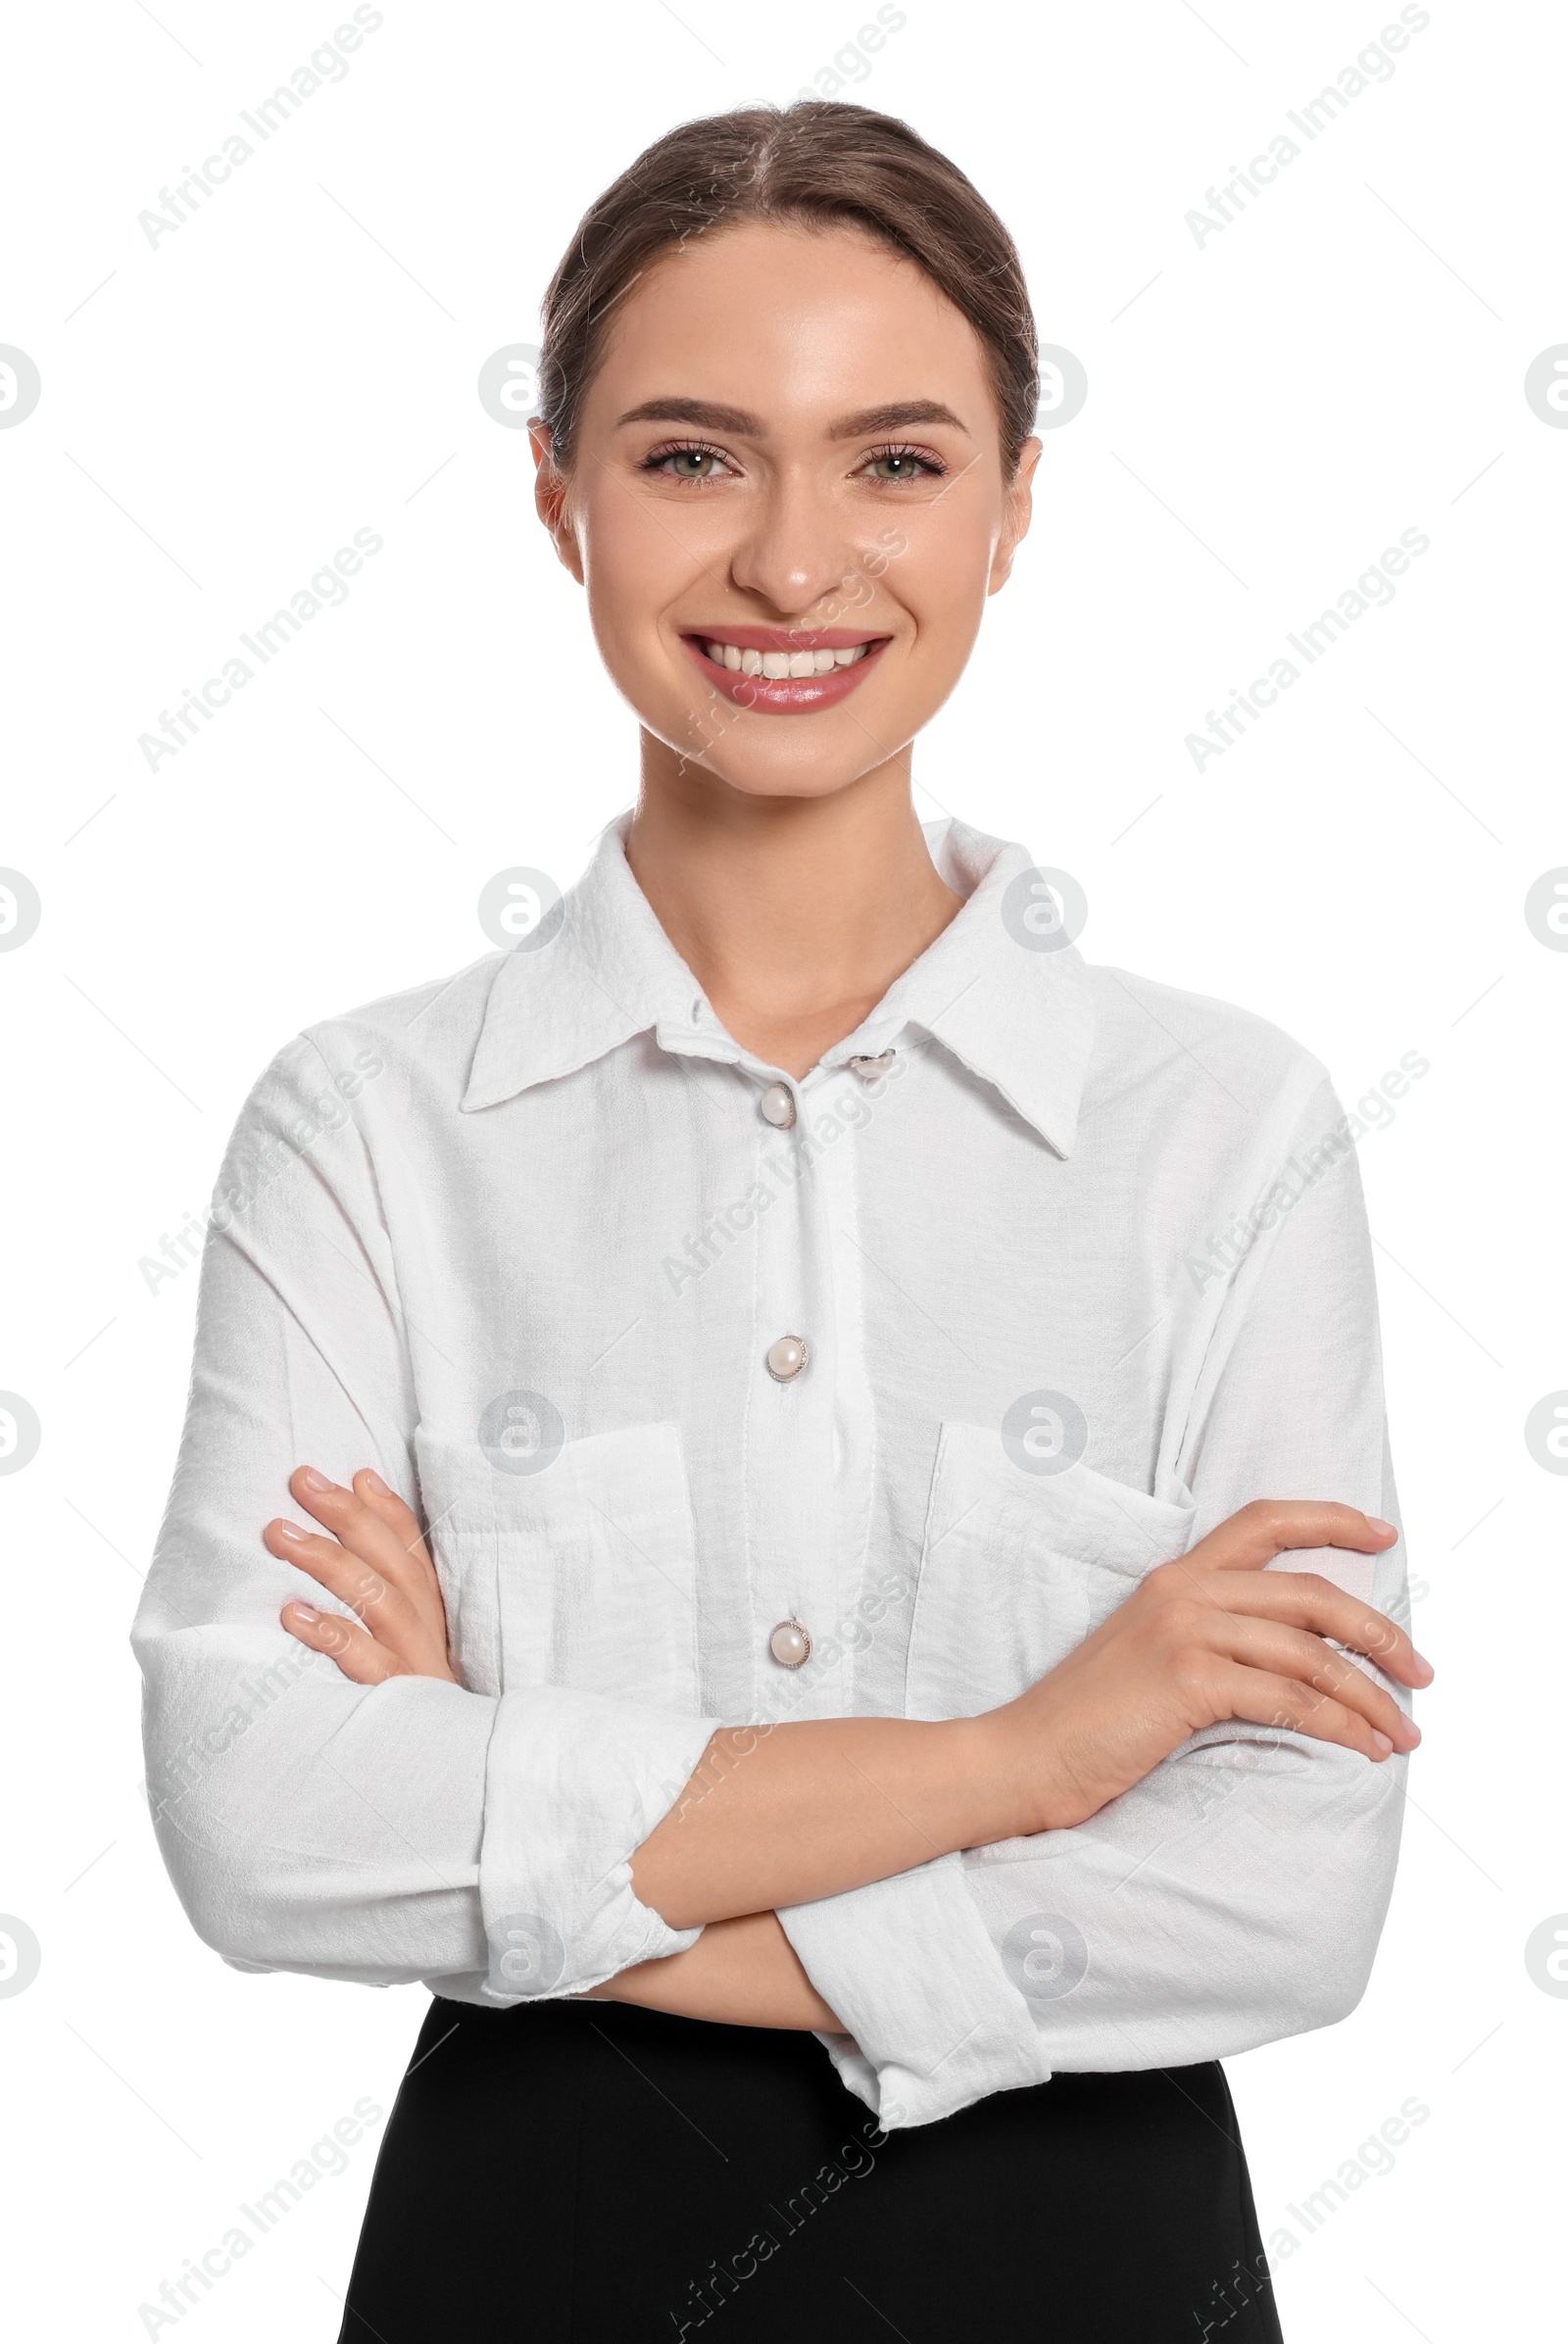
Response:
column 1207, row 1638
column 376, row 1562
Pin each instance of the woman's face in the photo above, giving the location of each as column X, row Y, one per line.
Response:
column 790, row 458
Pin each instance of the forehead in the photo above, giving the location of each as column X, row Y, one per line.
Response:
column 794, row 323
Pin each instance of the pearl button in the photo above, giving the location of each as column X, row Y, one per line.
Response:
column 871, row 1070
column 786, row 1357
column 790, row 1644
column 778, row 1107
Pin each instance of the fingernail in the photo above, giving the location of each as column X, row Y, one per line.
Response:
column 303, row 1611
column 314, row 1480
column 1422, row 1662
column 1381, row 1744
column 373, row 1483
column 1391, row 1528
column 289, row 1529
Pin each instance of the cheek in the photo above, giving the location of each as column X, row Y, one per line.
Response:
column 636, row 565
column 942, row 580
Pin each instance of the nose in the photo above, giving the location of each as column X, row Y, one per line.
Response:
column 793, row 556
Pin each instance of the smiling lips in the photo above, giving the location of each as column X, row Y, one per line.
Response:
column 785, row 672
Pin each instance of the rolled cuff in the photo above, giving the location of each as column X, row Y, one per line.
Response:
column 574, row 1784
column 934, row 2021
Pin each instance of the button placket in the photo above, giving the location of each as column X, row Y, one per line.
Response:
column 789, row 1438
column 838, row 1182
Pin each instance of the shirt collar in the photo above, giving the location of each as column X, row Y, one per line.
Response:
column 1014, row 1007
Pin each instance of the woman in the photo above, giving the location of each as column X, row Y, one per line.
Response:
column 836, row 1368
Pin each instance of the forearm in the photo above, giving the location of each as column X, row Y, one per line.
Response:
column 783, row 1816
column 740, row 1973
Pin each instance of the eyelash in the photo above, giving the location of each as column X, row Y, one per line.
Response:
column 932, row 465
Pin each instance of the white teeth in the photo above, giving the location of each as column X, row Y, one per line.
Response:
column 777, row 665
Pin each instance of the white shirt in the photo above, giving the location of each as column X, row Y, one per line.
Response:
column 1082, row 1270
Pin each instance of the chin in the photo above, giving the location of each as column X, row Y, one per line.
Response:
column 818, row 783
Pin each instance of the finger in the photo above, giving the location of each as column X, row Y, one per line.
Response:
column 361, row 1585
column 400, row 1519
column 360, row 1657
column 364, row 1527
column 1305, row 1600
column 1252, row 1538
column 1263, row 1699
column 1283, row 1651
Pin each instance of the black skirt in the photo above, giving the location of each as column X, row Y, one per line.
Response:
column 591, row 2174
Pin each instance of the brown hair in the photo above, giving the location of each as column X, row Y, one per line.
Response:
column 817, row 163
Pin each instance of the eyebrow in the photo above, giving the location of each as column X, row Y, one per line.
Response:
column 899, row 415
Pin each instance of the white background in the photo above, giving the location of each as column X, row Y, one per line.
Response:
column 1266, row 412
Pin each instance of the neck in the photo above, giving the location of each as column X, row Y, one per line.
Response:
column 793, row 915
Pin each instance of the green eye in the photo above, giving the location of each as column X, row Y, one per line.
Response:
column 895, row 464
column 691, row 464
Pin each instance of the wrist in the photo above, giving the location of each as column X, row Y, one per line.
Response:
column 1015, row 1771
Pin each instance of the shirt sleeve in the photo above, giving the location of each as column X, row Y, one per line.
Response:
column 413, row 1830
column 1235, row 1895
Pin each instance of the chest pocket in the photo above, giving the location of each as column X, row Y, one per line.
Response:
column 1018, row 1568
column 582, row 1575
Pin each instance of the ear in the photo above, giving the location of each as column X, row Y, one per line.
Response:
column 1017, row 514
column 551, row 501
